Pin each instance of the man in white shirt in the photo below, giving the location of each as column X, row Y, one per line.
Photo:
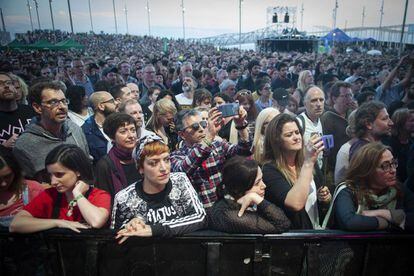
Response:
column 309, row 120
column 185, row 99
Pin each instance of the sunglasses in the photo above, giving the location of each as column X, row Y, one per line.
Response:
column 196, row 126
column 244, row 93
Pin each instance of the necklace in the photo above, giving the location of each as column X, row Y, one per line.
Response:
column 72, row 204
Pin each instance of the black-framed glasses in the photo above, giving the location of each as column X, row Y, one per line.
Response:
column 55, row 103
column 196, row 126
column 109, row 101
column 387, row 165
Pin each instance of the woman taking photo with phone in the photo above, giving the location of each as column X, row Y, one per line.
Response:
column 71, row 202
column 288, row 173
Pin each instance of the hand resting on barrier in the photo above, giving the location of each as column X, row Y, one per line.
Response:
column 136, row 227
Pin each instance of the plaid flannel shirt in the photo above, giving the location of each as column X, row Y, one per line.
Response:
column 203, row 165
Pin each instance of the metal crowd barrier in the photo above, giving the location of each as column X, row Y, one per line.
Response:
column 96, row 252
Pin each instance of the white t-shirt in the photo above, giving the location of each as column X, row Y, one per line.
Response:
column 311, row 127
column 342, row 162
column 184, row 102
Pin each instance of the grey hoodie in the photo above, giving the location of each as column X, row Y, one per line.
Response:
column 35, row 143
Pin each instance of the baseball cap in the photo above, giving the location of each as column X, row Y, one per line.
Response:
column 281, row 95
column 108, row 70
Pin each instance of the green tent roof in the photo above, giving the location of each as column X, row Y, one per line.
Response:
column 68, row 44
column 42, row 44
column 16, row 44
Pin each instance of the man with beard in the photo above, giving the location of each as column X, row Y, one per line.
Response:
column 14, row 116
column 372, row 123
column 103, row 105
column 248, row 83
column 46, row 131
column 134, row 109
column 124, row 69
column 282, row 81
column 186, row 71
column 309, row 120
column 185, row 99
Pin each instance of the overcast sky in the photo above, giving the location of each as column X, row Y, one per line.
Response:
column 202, row 17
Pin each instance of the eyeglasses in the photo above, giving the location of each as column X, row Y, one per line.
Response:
column 6, row 83
column 109, row 101
column 196, row 126
column 386, row 166
column 55, row 103
column 349, row 96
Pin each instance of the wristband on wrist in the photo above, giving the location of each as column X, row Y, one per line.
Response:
column 78, row 197
column 243, row 126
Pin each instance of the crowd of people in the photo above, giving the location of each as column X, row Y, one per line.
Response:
column 161, row 137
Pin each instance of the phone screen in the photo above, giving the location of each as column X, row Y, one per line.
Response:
column 230, row 109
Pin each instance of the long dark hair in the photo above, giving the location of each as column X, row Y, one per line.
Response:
column 73, row 158
column 362, row 168
column 274, row 151
column 7, row 160
column 239, row 174
column 75, row 95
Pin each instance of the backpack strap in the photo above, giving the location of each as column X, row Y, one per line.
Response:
column 303, row 122
column 338, row 189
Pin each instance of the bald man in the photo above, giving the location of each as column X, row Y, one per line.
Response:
column 134, row 90
column 309, row 120
column 103, row 104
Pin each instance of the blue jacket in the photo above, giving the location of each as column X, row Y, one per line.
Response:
column 97, row 142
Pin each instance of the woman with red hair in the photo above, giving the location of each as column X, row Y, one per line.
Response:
column 162, row 203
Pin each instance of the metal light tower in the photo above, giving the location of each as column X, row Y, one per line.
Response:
column 402, row 29
column 2, row 20
column 183, row 11
column 90, row 14
column 126, row 17
column 380, row 23
column 363, row 16
column 301, row 17
column 30, row 14
column 240, row 16
column 37, row 12
column 116, row 25
column 70, row 17
column 51, row 15
column 335, row 10
column 148, row 16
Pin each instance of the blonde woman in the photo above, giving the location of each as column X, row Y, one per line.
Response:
column 162, row 122
column 304, row 81
column 21, row 88
column 263, row 119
